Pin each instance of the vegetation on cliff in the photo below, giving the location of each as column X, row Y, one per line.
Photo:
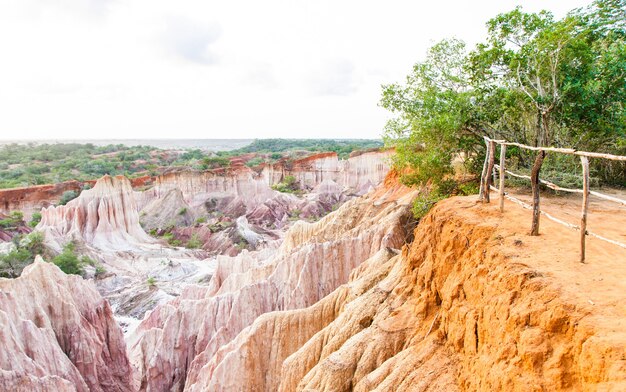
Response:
column 535, row 80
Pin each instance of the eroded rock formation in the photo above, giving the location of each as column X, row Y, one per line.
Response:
column 105, row 217
column 177, row 340
column 58, row 334
column 461, row 308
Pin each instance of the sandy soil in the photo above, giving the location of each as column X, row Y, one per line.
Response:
column 598, row 285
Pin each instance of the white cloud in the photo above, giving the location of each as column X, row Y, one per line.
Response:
column 191, row 40
column 196, row 68
column 335, row 77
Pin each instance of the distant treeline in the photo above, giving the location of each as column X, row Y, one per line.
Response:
column 343, row 147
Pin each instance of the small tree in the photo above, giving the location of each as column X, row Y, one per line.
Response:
column 68, row 261
column 67, row 196
column 194, row 242
column 35, row 219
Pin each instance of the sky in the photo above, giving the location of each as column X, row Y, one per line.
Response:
column 102, row 69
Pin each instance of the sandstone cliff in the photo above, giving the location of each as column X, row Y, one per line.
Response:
column 58, row 334
column 470, row 305
column 175, row 342
column 105, row 217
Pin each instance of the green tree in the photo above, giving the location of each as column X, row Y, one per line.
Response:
column 68, row 261
column 535, row 80
column 434, row 114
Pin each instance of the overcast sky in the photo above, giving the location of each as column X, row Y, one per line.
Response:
column 218, row 69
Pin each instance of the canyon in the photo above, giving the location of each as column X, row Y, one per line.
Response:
column 354, row 294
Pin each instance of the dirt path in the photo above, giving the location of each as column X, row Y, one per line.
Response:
column 599, row 285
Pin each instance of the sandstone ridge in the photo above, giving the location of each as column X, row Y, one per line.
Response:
column 58, row 334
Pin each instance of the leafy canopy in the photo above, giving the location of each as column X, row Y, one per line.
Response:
column 534, row 80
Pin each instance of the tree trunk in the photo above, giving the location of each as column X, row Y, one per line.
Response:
column 534, row 182
column 487, row 181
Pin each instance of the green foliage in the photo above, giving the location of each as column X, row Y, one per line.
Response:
column 151, row 281
column 289, row 184
column 219, row 226
column 343, row 147
column 69, row 262
column 100, row 270
column 535, row 80
column 255, row 162
column 12, row 264
column 67, row 196
column 427, row 198
column 34, row 164
column 13, row 221
column 34, row 243
column 201, row 220
column 434, row 119
column 182, row 211
column 35, row 219
column 194, row 242
column 295, row 214
column 215, row 162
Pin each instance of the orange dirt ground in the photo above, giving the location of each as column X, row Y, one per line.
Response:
column 601, row 281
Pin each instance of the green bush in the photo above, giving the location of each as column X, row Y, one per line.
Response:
column 12, row 264
column 35, row 219
column 288, row 185
column 68, row 261
column 182, row 211
column 15, row 219
column 67, row 196
column 254, row 162
column 194, row 242
column 215, row 162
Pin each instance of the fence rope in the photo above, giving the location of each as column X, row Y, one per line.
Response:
column 486, row 186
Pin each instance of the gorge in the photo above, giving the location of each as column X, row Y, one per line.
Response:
column 363, row 298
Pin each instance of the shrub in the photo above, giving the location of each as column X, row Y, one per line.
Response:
column 288, row 185
column 35, row 219
column 100, row 270
column 68, row 261
column 12, row 264
column 15, row 219
column 194, row 242
column 67, row 196
column 175, row 242
column 254, row 162
column 151, row 281
column 182, row 211
column 201, row 220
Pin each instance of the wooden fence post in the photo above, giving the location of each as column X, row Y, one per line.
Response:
column 534, row 182
column 502, row 173
column 583, row 219
column 488, row 172
column 481, row 195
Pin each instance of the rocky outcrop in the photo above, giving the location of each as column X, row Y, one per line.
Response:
column 58, row 334
column 34, row 198
column 168, row 211
column 359, row 172
column 466, row 306
column 104, row 217
column 31, row 199
column 177, row 340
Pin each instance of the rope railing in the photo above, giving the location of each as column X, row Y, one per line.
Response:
column 489, row 174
